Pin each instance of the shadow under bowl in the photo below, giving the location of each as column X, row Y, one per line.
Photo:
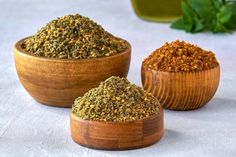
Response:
column 181, row 90
column 57, row 82
column 117, row 135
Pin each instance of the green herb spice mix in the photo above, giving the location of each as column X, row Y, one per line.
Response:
column 116, row 99
column 73, row 37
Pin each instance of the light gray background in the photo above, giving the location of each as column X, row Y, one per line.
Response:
column 30, row 129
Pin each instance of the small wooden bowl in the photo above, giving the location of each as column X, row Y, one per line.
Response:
column 57, row 82
column 117, row 135
column 181, row 90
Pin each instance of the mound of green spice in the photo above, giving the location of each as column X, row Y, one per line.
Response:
column 73, row 37
column 116, row 99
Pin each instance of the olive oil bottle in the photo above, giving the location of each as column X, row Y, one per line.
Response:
column 157, row 10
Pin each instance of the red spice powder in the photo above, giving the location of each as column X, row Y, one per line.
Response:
column 180, row 56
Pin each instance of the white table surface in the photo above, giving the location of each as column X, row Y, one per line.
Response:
column 29, row 129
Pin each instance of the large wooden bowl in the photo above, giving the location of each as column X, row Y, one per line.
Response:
column 117, row 135
column 57, row 82
column 181, row 90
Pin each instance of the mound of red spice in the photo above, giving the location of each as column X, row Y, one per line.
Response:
column 180, row 56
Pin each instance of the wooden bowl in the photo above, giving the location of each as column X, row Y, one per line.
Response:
column 57, row 82
column 117, row 135
column 181, row 90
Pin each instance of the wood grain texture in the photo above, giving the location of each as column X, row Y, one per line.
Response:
column 181, row 90
column 117, row 135
column 57, row 82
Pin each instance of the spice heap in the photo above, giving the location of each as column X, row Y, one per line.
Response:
column 180, row 56
column 73, row 37
column 116, row 99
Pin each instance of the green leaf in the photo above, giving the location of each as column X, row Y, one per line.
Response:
column 232, row 23
column 202, row 7
column 187, row 10
column 189, row 17
column 198, row 26
column 178, row 24
column 220, row 28
column 217, row 4
column 201, row 15
column 189, row 26
column 225, row 13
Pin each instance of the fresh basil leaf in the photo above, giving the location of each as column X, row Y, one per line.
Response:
column 187, row 10
column 198, row 26
column 232, row 23
column 200, row 15
column 189, row 25
column 178, row 24
column 225, row 13
column 217, row 4
column 220, row 28
column 189, row 16
column 203, row 8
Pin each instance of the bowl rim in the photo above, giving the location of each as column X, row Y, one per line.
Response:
column 78, row 119
column 21, row 51
column 180, row 72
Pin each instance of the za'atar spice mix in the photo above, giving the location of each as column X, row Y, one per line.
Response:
column 116, row 99
column 73, row 37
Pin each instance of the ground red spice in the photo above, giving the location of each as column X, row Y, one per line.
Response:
column 180, row 56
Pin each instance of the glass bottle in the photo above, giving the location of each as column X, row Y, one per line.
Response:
column 157, row 10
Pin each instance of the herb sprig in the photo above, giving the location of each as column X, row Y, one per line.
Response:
column 207, row 15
